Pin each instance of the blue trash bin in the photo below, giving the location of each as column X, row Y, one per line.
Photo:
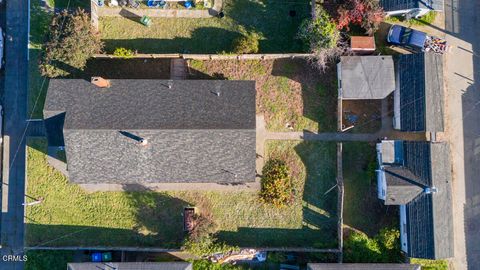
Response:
column 96, row 257
column 188, row 4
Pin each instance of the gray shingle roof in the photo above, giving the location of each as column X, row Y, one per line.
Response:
column 193, row 134
column 429, row 216
column 393, row 5
column 421, row 92
column 131, row 266
column 399, row 191
column 150, row 104
column 362, row 266
column 366, row 77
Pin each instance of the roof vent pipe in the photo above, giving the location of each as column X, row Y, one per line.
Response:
column 100, row 82
column 143, row 142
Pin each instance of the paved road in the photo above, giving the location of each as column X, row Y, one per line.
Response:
column 463, row 112
column 15, row 98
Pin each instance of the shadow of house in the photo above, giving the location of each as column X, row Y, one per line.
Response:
column 363, row 210
column 199, row 42
column 276, row 22
column 319, row 90
column 158, row 222
column 320, row 192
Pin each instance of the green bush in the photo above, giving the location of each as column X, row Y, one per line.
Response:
column 431, row 264
column 70, row 43
column 319, row 33
column 246, row 44
column 203, row 226
column 208, row 265
column 205, row 246
column 276, row 183
column 124, row 53
column 383, row 248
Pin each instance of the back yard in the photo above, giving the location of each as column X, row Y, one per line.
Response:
column 288, row 90
column 69, row 216
column 363, row 211
column 276, row 22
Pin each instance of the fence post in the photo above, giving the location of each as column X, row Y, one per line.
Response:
column 94, row 13
column 340, row 200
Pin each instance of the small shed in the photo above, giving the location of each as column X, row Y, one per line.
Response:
column 365, row 77
column 362, row 44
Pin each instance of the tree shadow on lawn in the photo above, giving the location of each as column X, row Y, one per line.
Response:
column 158, row 219
column 203, row 40
column 276, row 21
column 319, row 200
column 319, row 90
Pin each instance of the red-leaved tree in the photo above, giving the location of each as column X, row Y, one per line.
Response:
column 365, row 13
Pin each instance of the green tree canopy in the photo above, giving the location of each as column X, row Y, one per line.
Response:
column 70, row 43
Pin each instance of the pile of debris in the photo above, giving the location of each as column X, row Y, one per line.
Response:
column 436, row 45
column 233, row 257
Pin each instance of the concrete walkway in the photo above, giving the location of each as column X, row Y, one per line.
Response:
column 462, row 72
column 178, row 69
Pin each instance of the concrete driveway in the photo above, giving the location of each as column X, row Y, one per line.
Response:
column 463, row 114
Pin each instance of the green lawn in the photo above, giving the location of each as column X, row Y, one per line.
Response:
column 40, row 19
column 288, row 91
column 268, row 18
column 363, row 211
column 48, row 259
column 70, row 216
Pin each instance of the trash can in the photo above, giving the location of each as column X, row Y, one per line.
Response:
column 145, row 20
column 96, row 257
column 188, row 4
column 106, row 257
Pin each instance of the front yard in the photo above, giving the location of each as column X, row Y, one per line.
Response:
column 288, row 91
column 276, row 22
column 69, row 216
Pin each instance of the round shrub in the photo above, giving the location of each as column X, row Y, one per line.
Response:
column 124, row 53
column 276, row 183
column 246, row 44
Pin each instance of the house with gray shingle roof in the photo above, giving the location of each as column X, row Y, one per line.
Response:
column 419, row 94
column 416, row 176
column 154, row 131
column 414, row 8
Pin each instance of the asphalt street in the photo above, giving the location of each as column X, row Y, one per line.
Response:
column 15, row 107
column 463, row 111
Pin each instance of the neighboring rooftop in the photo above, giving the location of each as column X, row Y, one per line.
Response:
column 366, row 77
column 362, row 266
column 421, row 92
column 394, row 5
column 425, row 166
column 131, row 266
column 193, row 131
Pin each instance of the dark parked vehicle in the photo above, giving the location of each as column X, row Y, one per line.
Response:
column 408, row 38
